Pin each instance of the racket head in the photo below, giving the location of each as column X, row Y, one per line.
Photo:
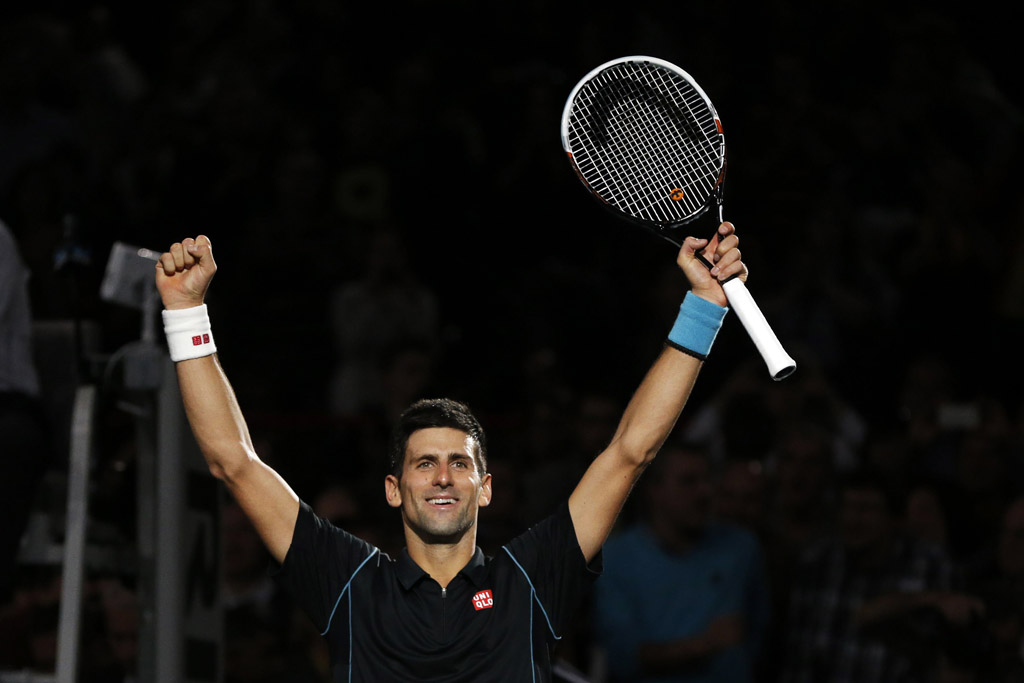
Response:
column 644, row 138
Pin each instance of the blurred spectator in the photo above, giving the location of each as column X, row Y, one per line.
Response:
column 110, row 651
column 683, row 597
column 573, row 440
column 28, row 624
column 33, row 51
column 740, row 420
column 985, row 478
column 385, row 307
column 258, row 616
column 747, row 417
column 741, row 496
column 927, row 516
column 25, row 454
column 802, row 489
column 121, row 609
column 246, row 582
column 998, row 577
column 254, row 652
column 870, row 603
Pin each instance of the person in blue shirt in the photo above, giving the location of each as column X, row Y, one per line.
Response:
column 683, row 597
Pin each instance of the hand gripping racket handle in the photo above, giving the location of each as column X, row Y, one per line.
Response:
column 780, row 365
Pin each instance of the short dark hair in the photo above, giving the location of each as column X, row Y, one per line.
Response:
column 435, row 412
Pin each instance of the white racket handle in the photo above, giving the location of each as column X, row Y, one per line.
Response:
column 780, row 364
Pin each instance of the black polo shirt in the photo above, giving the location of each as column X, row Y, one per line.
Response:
column 386, row 620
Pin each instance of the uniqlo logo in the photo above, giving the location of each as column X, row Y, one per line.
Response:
column 206, row 339
column 197, row 340
column 483, row 600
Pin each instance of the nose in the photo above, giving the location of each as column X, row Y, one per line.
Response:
column 442, row 477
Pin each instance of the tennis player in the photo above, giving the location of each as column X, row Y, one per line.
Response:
column 440, row 610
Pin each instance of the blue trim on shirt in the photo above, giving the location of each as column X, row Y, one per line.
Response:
column 533, row 592
column 533, row 595
column 340, row 595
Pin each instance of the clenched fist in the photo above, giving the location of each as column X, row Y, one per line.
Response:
column 184, row 272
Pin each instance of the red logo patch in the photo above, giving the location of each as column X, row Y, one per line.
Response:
column 206, row 339
column 196, row 341
column 483, row 600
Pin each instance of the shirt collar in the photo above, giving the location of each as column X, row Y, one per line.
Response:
column 410, row 573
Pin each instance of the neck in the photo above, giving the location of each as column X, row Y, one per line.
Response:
column 441, row 560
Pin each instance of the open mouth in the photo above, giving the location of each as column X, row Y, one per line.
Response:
column 442, row 502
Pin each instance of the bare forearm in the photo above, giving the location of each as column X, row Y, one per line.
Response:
column 655, row 407
column 215, row 417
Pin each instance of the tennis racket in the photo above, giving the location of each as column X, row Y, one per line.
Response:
column 647, row 143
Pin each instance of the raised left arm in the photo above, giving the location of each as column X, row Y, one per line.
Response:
column 652, row 412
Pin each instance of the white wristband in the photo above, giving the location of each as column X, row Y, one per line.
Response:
column 188, row 333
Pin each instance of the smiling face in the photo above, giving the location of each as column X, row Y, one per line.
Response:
column 440, row 491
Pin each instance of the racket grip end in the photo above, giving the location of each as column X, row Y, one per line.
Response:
column 780, row 364
column 787, row 370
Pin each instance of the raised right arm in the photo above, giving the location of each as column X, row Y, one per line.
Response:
column 183, row 276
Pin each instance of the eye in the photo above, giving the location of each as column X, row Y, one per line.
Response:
column 461, row 464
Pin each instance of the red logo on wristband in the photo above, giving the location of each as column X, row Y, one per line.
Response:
column 197, row 341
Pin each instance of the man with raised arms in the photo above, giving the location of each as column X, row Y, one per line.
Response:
column 440, row 610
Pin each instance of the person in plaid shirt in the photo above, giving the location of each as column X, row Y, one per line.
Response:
column 865, row 605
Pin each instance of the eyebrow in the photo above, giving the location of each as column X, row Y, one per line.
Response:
column 434, row 456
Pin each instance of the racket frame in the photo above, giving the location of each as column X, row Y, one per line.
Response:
column 780, row 364
column 667, row 229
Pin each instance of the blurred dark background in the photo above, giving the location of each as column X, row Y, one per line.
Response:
column 393, row 217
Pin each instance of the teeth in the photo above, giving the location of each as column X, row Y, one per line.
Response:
column 441, row 501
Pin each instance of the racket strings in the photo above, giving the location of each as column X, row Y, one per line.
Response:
column 630, row 155
column 658, row 135
column 701, row 158
column 638, row 132
column 603, row 162
column 675, row 151
column 645, row 164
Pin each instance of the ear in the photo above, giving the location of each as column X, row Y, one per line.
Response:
column 392, row 491
column 484, row 498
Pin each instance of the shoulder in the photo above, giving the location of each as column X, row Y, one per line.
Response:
column 556, row 525
column 550, row 543
column 318, row 536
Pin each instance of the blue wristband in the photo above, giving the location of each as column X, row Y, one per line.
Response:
column 696, row 326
